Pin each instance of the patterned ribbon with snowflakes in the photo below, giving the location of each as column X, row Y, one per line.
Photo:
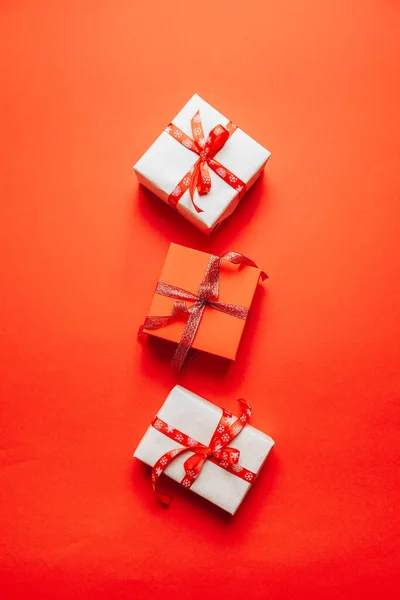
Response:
column 207, row 295
column 199, row 176
column 217, row 451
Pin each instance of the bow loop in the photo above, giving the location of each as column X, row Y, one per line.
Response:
column 217, row 138
column 229, row 455
column 179, row 307
column 196, row 461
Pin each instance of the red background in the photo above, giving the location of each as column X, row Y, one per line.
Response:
column 85, row 88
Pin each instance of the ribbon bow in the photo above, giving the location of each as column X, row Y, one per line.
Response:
column 206, row 296
column 217, row 451
column 199, row 175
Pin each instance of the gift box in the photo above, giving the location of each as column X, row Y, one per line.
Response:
column 202, row 301
column 204, row 448
column 202, row 164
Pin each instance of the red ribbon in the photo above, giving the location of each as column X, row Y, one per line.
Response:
column 206, row 296
column 199, row 175
column 217, row 450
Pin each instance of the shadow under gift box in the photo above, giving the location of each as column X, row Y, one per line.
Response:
column 198, row 418
column 166, row 162
column 218, row 333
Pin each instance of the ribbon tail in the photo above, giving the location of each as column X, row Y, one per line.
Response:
column 180, row 356
column 157, row 322
column 245, row 406
column 158, row 469
column 239, row 259
column 241, row 422
column 193, row 185
column 164, row 498
column 204, row 180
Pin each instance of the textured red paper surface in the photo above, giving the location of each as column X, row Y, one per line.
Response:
column 85, row 88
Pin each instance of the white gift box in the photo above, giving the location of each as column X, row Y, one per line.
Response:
column 166, row 162
column 198, row 419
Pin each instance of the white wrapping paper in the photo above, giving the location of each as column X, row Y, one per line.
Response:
column 198, row 418
column 166, row 162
